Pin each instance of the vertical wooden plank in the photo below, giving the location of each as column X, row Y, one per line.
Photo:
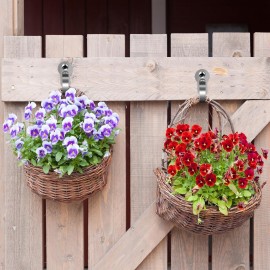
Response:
column 33, row 11
column 159, row 16
column 107, row 209
column 148, row 121
column 6, row 28
column 262, row 215
column 189, row 251
column 23, row 217
column 231, row 250
column 64, row 222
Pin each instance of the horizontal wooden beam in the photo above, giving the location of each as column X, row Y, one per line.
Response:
column 136, row 243
column 119, row 79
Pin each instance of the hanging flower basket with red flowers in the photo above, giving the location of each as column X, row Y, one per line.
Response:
column 209, row 182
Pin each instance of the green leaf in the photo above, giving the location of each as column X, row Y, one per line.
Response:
column 70, row 169
column 192, row 198
column 222, row 208
column 246, row 193
column 84, row 163
column 98, row 152
column 58, row 156
column 198, row 206
column 33, row 162
column 233, row 188
column 181, row 190
column 229, row 203
column 46, row 168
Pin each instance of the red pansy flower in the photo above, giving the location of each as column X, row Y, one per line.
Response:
column 172, row 145
column 241, row 205
column 193, row 168
column 234, row 138
column 176, row 138
column 259, row 170
column 178, row 164
column 210, row 179
column 227, row 145
column 172, row 170
column 196, row 130
column 242, row 182
column 205, row 141
column 180, row 128
column 243, row 147
column 265, row 153
column 252, row 165
column 187, row 159
column 169, row 132
column 180, row 148
column 239, row 164
column 205, row 169
column 253, row 156
column 242, row 138
column 166, row 143
column 212, row 134
column 260, row 161
column 232, row 174
column 251, row 148
column 186, row 137
column 200, row 180
column 249, row 173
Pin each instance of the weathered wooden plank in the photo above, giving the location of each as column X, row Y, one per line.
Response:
column 262, row 215
column 143, row 236
column 148, row 121
column 64, row 222
column 190, row 251
column 6, row 28
column 231, row 250
column 158, row 16
column 23, row 209
column 107, row 209
column 138, row 78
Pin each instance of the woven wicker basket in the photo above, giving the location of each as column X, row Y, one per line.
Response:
column 176, row 209
column 75, row 187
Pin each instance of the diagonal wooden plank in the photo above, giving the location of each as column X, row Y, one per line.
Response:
column 133, row 247
column 252, row 117
column 231, row 250
column 188, row 250
column 107, row 209
column 23, row 209
column 262, row 215
column 148, row 121
column 136, row 78
column 64, row 222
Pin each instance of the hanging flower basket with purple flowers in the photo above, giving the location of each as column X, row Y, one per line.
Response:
column 65, row 146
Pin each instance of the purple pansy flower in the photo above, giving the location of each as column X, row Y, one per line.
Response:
column 70, row 110
column 92, row 116
column 91, row 105
column 14, row 131
column 73, row 150
column 44, row 132
column 70, row 94
column 52, row 123
column 40, row 114
column 55, row 96
column 41, row 152
column 70, row 141
column 111, row 121
column 19, row 144
column 116, row 116
column 33, row 131
column 12, row 117
column 88, row 125
column 61, row 110
column 83, row 100
column 62, row 135
column 67, row 124
column 39, row 123
column 108, row 112
column 102, row 104
column 99, row 111
column 104, row 131
column 30, row 106
column 21, row 126
column 7, row 125
column 27, row 114
column 48, row 146
column 54, row 136
column 47, row 104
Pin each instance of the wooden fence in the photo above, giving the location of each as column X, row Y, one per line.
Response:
column 145, row 90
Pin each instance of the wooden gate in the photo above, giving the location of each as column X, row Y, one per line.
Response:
column 141, row 89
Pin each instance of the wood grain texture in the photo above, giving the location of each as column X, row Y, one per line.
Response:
column 231, row 250
column 64, row 222
column 107, row 209
column 262, row 215
column 23, row 215
column 6, row 28
column 147, row 125
column 138, row 78
column 158, row 16
column 189, row 251
column 133, row 247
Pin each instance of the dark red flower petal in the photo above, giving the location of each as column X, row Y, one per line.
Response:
column 265, row 153
column 193, row 168
column 242, row 182
column 187, row 159
column 205, row 142
column 210, row 179
column 180, row 128
column 166, row 143
column 241, row 205
column 234, row 138
column 180, row 149
column 227, row 145
column 172, row 170
column 178, row 164
column 172, row 145
column 239, row 164
column 205, row 169
column 200, row 180
column 196, row 130
column 170, row 132
column 186, row 137
column 249, row 173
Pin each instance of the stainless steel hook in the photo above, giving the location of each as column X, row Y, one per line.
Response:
column 65, row 69
column 202, row 76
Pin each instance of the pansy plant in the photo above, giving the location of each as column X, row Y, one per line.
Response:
column 211, row 169
column 66, row 134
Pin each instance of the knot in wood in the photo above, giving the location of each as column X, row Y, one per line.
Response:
column 151, row 65
column 237, row 54
column 240, row 267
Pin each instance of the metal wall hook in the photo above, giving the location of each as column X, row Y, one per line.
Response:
column 65, row 69
column 202, row 76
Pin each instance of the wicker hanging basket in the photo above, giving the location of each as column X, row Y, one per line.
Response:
column 75, row 187
column 176, row 209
